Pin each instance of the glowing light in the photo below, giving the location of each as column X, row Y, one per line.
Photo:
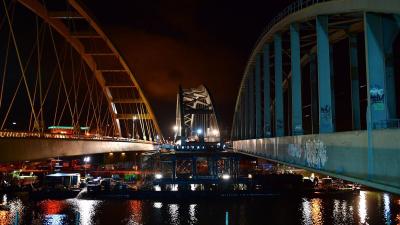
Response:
column 14, row 123
column 226, row 177
column 86, row 159
column 215, row 132
column 134, row 118
column 199, row 131
column 158, row 176
column 123, row 153
column 110, row 154
column 249, row 176
column 175, row 128
column 157, row 188
column 174, row 187
column 157, row 205
column 136, row 212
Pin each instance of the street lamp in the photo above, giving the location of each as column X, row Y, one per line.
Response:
column 86, row 160
column 133, row 128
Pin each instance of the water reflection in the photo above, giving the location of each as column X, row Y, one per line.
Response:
column 386, row 208
column 86, row 210
column 312, row 211
column 192, row 214
column 362, row 207
column 174, row 213
column 136, row 212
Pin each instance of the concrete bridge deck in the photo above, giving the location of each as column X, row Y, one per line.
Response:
column 346, row 155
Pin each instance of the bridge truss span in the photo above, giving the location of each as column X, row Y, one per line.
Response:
column 324, row 71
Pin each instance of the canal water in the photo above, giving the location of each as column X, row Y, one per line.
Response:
column 367, row 207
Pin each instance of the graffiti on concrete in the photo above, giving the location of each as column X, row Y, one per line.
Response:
column 315, row 153
column 295, row 150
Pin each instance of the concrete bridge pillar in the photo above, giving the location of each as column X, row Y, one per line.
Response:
column 324, row 76
column 257, row 84
column 355, row 84
column 375, row 67
column 391, row 29
column 246, row 109
column 279, row 116
column 267, row 89
column 297, row 115
column 314, row 95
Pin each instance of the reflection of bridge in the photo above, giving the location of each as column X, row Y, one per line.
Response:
column 59, row 68
column 320, row 109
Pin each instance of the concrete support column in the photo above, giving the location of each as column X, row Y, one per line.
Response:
column 375, row 67
column 355, row 84
column 314, row 95
column 390, row 31
column 279, row 117
column 332, row 87
column 324, row 76
column 267, row 89
column 297, row 114
column 257, row 84
column 251, row 105
column 242, row 118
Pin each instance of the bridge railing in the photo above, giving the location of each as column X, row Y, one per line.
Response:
column 292, row 8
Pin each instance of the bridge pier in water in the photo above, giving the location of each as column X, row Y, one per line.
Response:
column 341, row 122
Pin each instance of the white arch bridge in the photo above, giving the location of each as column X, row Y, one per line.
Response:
column 65, row 89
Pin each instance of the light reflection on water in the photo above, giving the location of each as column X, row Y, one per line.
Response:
column 363, row 208
column 86, row 209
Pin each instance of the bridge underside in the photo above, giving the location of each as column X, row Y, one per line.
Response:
column 344, row 155
column 21, row 149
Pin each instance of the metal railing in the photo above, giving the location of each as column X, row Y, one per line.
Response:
column 292, row 8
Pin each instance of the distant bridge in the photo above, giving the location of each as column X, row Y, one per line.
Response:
column 308, row 99
column 58, row 68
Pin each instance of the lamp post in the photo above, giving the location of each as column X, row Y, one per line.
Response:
column 133, row 127
column 86, row 160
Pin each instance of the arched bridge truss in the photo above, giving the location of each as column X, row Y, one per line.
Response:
column 58, row 68
column 319, row 91
column 196, row 119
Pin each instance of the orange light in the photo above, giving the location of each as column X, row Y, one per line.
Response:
column 123, row 154
column 110, row 154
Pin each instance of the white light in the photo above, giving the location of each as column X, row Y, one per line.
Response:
column 179, row 142
column 86, row 159
column 134, row 118
column 226, row 176
column 215, row 132
column 158, row 176
column 175, row 128
column 157, row 205
column 199, row 131
column 157, row 188
column 250, row 176
column 14, row 123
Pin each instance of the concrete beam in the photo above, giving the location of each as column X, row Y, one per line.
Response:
column 21, row 149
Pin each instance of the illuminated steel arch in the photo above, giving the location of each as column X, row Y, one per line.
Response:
column 195, row 115
column 117, row 80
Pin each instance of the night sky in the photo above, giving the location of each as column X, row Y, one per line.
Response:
column 167, row 43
